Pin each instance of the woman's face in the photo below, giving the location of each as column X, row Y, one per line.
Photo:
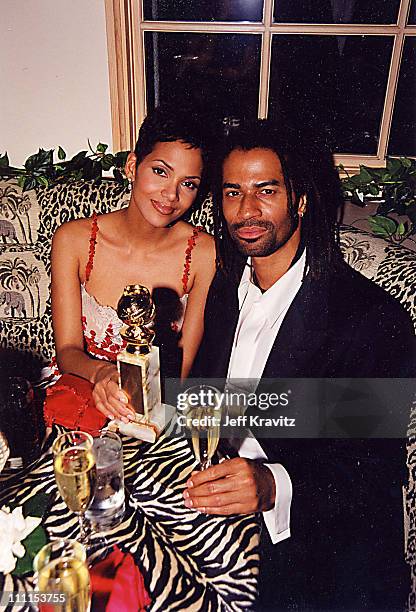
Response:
column 166, row 181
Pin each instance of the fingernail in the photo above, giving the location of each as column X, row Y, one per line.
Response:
column 185, row 494
column 110, row 417
column 189, row 503
column 189, row 484
column 124, row 419
column 123, row 399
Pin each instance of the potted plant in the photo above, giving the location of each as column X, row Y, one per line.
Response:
column 394, row 188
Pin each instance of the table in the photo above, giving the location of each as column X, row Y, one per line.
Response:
column 188, row 560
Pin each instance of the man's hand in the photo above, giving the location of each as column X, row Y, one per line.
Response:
column 235, row 486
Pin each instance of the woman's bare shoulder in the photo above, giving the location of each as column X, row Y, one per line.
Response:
column 203, row 252
column 80, row 230
column 187, row 230
column 73, row 230
column 72, row 236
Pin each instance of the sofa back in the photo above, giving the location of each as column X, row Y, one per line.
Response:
column 29, row 220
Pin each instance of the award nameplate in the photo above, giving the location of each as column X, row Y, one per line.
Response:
column 138, row 364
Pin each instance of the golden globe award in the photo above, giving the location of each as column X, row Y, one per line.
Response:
column 138, row 364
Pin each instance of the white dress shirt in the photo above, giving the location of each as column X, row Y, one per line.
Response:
column 261, row 315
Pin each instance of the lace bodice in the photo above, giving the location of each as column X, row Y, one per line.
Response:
column 101, row 326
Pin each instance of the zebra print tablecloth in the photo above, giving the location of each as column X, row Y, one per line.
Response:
column 189, row 561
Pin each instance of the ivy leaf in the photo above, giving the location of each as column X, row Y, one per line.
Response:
column 61, row 153
column 394, row 166
column 107, row 162
column 40, row 159
column 29, row 183
column 365, row 176
column 374, row 189
column 383, row 226
column 357, row 197
column 401, row 229
column 121, row 158
column 4, row 161
column 118, row 176
column 101, row 147
column 96, row 172
column 88, row 169
column 33, row 543
column 406, row 162
column 43, row 181
column 77, row 161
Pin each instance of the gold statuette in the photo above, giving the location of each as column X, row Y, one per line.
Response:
column 138, row 364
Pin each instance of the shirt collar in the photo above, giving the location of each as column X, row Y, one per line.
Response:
column 279, row 296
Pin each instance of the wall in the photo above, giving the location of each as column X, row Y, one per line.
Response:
column 54, row 76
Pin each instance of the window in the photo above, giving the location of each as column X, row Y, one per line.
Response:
column 346, row 67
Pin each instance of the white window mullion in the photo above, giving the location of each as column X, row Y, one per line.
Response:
column 391, row 89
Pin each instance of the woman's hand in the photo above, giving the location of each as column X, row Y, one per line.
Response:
column 108, row 397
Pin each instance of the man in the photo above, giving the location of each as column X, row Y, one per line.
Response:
column 284, row 305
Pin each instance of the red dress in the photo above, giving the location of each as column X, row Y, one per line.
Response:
column 69, row 399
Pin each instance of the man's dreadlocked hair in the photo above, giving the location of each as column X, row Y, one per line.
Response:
column 307, row 171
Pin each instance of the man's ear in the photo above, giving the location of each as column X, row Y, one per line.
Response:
column 130, row 167
column 302, row 206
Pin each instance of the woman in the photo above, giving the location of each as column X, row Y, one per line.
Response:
column 145, row 243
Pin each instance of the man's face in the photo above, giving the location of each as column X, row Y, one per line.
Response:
column 255, row 203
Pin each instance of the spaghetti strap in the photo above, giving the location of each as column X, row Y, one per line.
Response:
column 93, row 242
column 188, row 257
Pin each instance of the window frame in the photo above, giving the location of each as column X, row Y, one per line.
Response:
column 127, row 64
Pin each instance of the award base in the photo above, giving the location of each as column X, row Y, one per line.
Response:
column 148, row 432
column 140, row 380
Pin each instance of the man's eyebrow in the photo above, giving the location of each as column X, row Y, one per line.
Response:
column 274, row 182
column 165, row 163
column 265, row 183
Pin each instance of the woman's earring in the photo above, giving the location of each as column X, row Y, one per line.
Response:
column 301, row 213
column 130, row 185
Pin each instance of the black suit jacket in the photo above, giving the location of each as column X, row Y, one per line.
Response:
column 346, row 545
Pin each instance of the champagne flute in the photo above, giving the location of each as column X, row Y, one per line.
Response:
column 62, row 577
column 203, row 419
column 76, row 474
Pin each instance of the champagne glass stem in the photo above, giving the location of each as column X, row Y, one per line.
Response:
column 205, row 462
column 83, row 533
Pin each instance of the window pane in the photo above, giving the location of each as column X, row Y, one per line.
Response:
column 215, row 73
column 336, row 11
column 203, row 10
column 412, row 14
column 332, row 85
column 403, row 129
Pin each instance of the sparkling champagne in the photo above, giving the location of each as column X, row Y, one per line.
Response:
column 76, row 475
column 66, row 575
column 204, row 425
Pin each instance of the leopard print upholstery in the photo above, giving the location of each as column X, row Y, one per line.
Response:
column 28, row 222
column 391, row 266
column 202, row 217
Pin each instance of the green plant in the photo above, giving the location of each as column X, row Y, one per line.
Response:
column 395, row 188
column 40, row 169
